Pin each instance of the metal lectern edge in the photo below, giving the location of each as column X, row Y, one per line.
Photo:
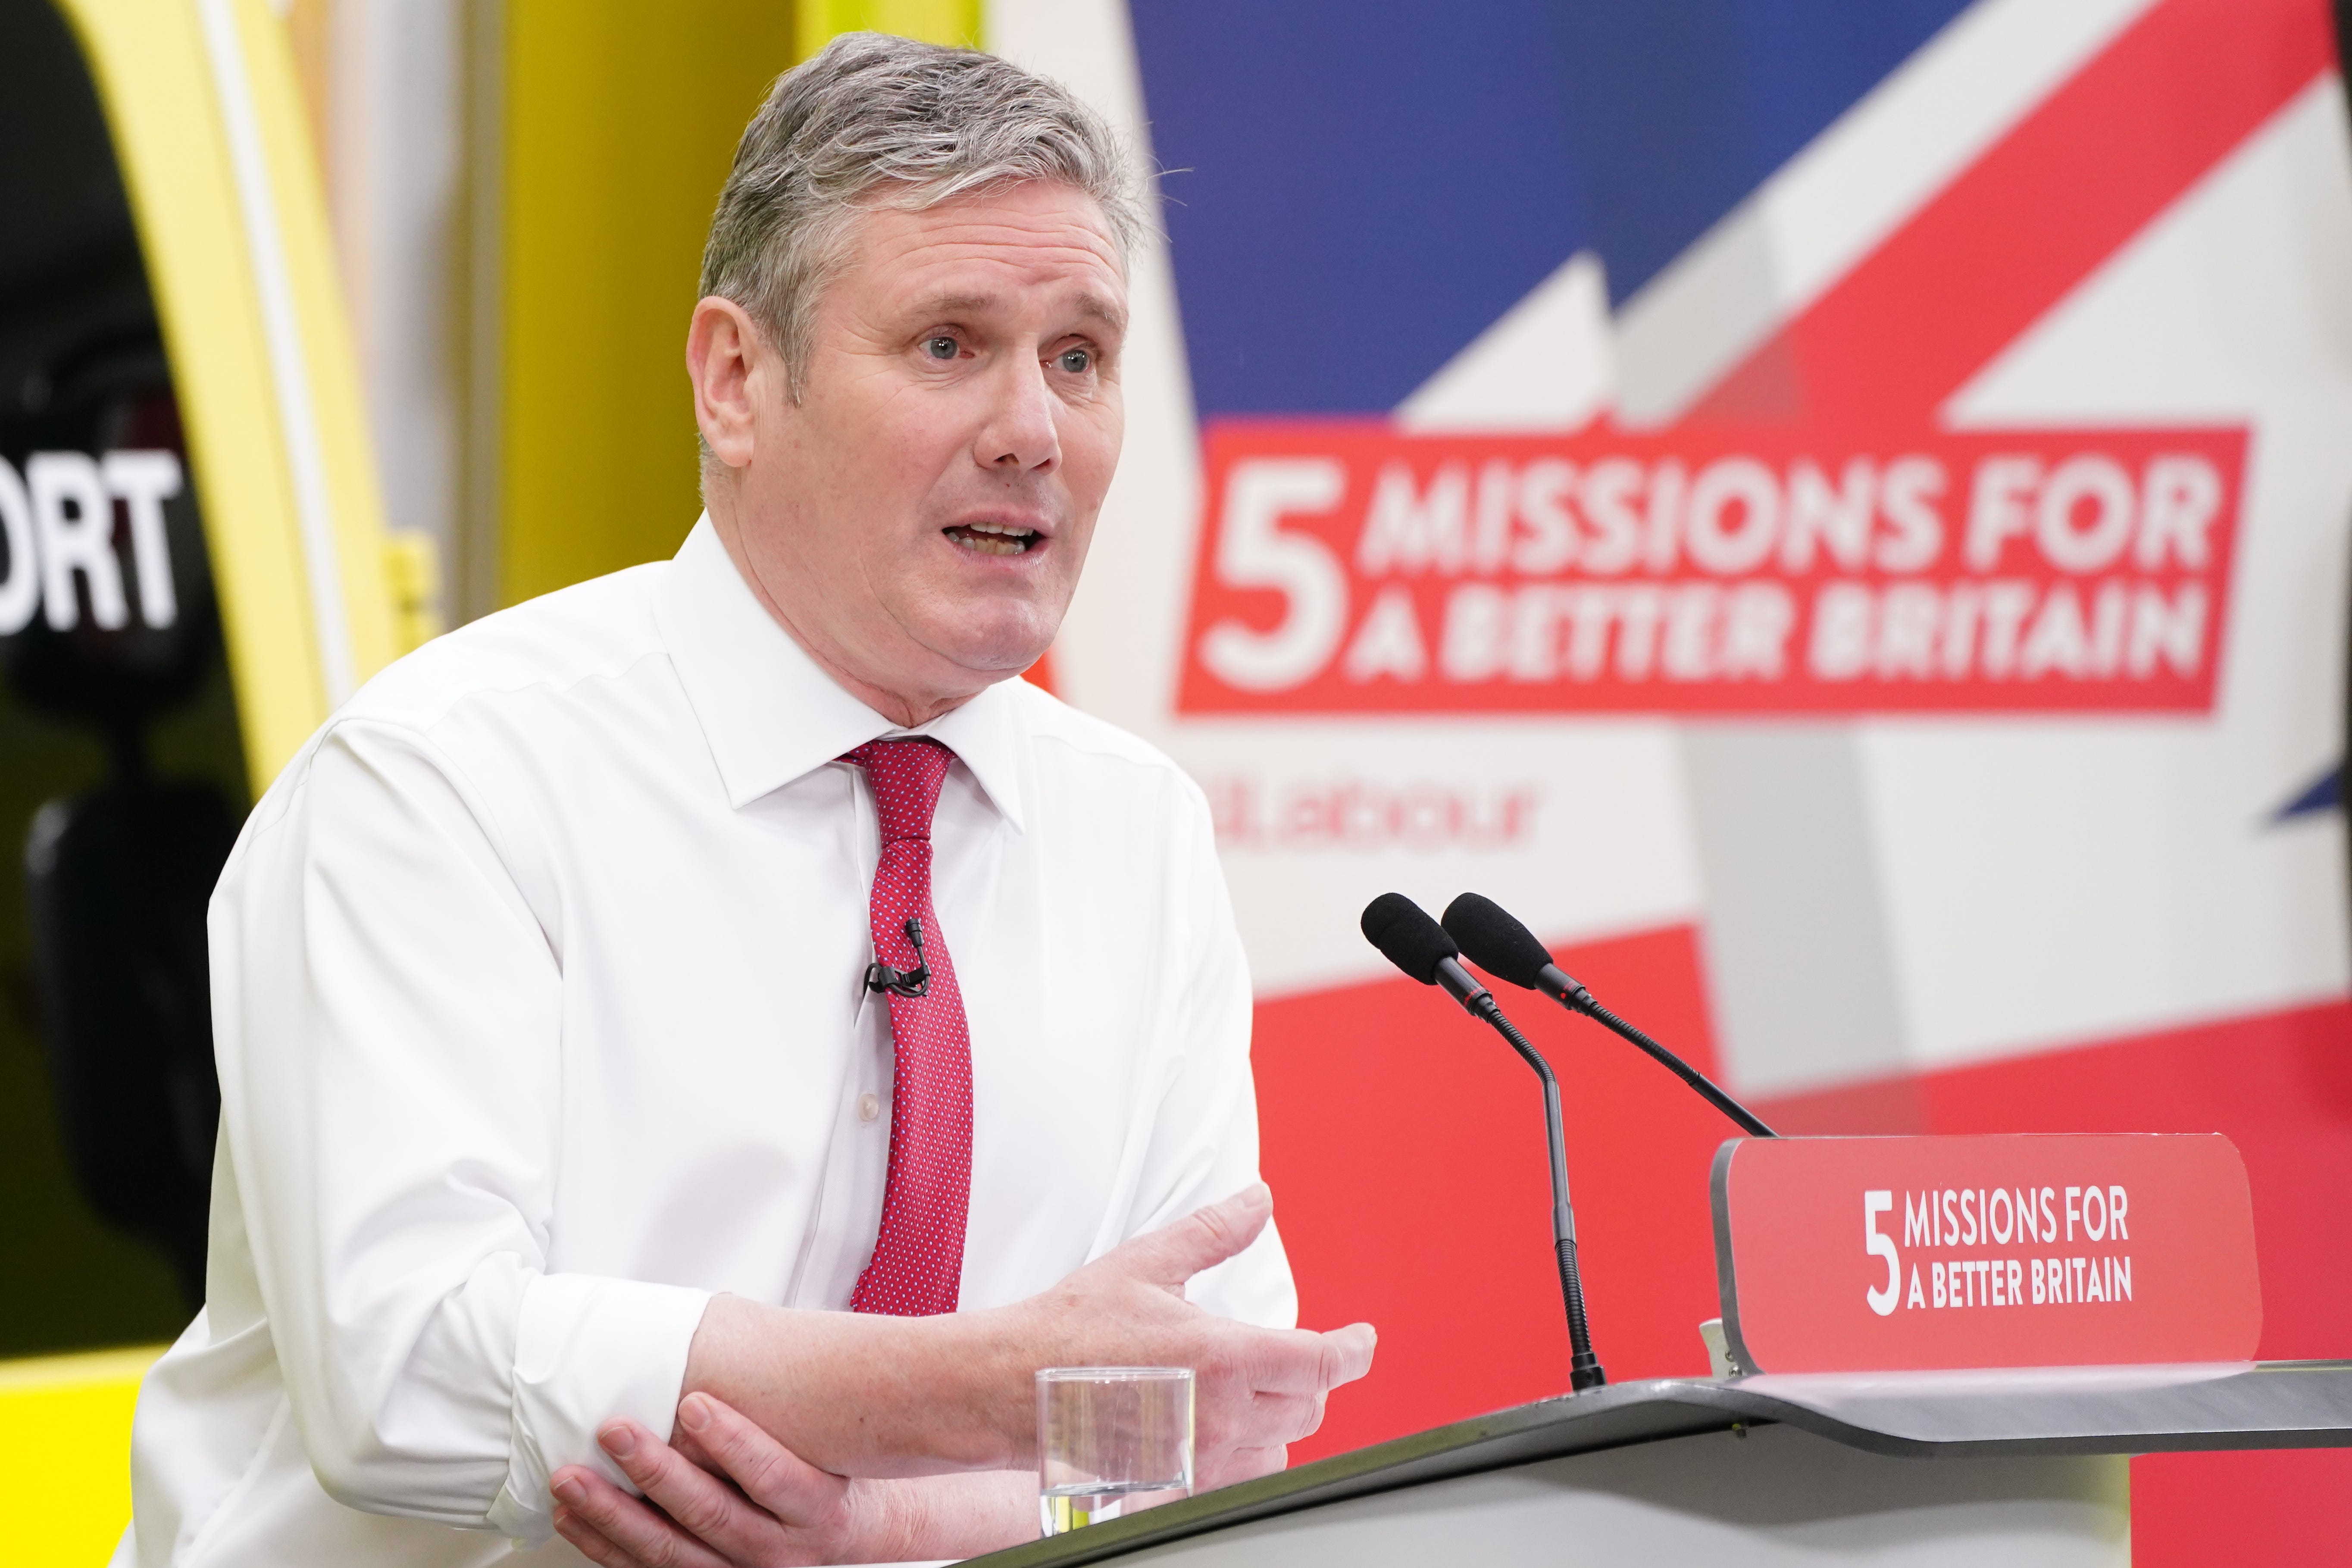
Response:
column 1727, row 1276
column 1604, row 1418
column 2110, row 1410
column 2069, row 1410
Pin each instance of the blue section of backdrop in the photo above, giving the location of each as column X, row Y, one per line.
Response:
column 1362, row 187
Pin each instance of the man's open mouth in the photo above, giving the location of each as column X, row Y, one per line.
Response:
column 994, row 538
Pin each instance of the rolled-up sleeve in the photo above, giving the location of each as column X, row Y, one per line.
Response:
column 387, row 1016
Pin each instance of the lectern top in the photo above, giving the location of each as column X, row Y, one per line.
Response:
column 2071, row 1410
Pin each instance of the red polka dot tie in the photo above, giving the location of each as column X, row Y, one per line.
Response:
column 918, row 1265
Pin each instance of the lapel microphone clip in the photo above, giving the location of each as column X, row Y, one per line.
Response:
column 908, row 983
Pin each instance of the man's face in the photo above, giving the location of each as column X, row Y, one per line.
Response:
column 920, row 517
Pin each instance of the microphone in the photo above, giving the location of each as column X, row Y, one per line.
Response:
column 908, row 983
column 1417, row 944
column 1409, row 939
column 1499, row 944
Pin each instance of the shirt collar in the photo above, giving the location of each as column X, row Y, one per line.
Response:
column 770, row 712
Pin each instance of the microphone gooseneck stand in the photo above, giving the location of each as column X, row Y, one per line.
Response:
column 1584, row 1370
column 1582, row 1002
column 1497, row 943
column 1417, row 944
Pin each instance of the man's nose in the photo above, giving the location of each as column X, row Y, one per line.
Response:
column 1021, row 435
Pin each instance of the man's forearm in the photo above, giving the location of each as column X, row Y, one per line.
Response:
column 868, row 1396
column 872, row 1396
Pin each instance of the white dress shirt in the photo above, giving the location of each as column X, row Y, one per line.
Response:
column 537, row 998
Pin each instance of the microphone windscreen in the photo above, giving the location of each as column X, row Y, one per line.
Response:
column 1405, row 934
column 1495, row 940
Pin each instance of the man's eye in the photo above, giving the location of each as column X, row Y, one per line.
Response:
column 941, row 347
column 1077, row 361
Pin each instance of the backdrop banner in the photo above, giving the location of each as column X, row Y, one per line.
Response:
column 1834, row 515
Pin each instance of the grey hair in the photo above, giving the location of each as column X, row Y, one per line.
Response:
column 877, row 121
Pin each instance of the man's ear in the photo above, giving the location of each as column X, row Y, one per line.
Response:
column 730, row 365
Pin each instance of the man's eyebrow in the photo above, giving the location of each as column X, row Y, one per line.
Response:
column 933, row 306
column 1110, row 312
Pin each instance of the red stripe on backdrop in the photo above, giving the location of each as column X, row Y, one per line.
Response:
column 1404, row 1145
column 2280, row 1085
column 2067, row 187
column 1041, row 674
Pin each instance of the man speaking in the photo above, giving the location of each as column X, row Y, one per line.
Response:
column 723, row 987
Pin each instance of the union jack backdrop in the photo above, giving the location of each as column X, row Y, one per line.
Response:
column 1836, row 514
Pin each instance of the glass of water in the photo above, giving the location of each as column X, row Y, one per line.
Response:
column 1111, row 1440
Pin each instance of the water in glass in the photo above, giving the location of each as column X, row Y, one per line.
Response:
column 1111, row 1440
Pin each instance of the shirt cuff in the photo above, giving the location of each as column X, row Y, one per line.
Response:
column 588, row 1349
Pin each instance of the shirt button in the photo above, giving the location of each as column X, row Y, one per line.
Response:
column 869, row 1106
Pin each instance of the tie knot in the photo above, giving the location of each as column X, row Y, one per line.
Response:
column 906, row 776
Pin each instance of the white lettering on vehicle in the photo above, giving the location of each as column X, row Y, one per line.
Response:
column 57, row 534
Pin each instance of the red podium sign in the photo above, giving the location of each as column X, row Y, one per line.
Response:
column 1903, row 1254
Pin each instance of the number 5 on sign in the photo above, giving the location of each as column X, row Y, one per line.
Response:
column 1881, row 1300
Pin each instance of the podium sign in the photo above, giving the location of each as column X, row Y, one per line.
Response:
column 1902, row 1254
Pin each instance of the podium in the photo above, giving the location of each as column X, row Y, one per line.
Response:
column 2012, row 1468
column 1981, row 1268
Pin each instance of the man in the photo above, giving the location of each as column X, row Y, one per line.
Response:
column 618, row 989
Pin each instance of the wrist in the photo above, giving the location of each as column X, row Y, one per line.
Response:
column 995, row 1354
column 932, row 1517
column 885, row 1522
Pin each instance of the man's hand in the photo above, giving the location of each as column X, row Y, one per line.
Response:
column 873, row 1396
column 1255, row 1390
column 727, row 1495
column 765, row 1506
